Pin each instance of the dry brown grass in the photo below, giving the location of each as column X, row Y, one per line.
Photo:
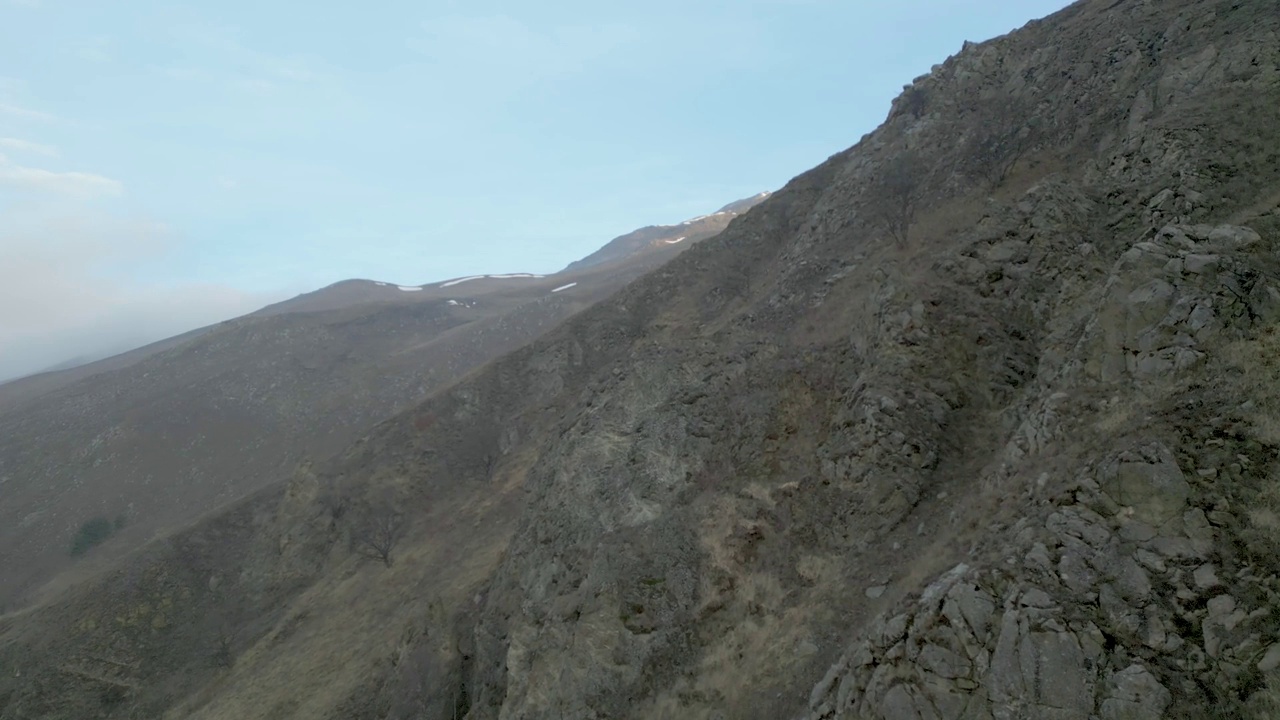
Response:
column 332, row 639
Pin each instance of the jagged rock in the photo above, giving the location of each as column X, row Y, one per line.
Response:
column 1197, row 526
column 1206, row 577
column 1222, row 619
column 943, row 662
column 1156, row 636
column 1043, row 672
column 1151, row 483
column 1135, row 694
column 1197, row 264
column 1150, row 560
column 1228, row 236
column 1271, row 660
column 968, row 606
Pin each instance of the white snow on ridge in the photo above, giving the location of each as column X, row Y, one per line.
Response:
column 380, row 283
column 409, row 289
column 459, row 281
column 454, row 302
column 451, row 283
column 673, row 242
column 564, row 287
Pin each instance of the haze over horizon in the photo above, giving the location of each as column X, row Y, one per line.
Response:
column 165, row 166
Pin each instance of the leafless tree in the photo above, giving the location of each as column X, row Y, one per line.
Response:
column 895, row 195
column 222, row 656
column 379, row 531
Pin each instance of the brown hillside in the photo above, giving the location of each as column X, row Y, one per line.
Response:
column 163, row 434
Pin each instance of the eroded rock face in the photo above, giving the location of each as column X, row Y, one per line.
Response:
column 1033, row 360
column 1172, row 295
column 1106, row 605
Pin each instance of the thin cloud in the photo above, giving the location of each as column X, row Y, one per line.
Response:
column 27, row 113
column 97, row 50
column 69, row 287
column 26, row 146
column 501, row 42
column 241, row 68
column 37, row 180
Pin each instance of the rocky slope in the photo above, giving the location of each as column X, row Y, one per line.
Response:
column 975, row 420
column 158, row 436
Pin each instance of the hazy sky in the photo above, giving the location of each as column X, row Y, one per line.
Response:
column 165, row 165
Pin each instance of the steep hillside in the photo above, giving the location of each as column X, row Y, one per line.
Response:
column 154, row 438
column 975, row 420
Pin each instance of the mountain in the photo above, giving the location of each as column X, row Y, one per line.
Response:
column 162, row 434
column 655, row 237
column 974, row 420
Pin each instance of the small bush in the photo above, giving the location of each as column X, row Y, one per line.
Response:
column 93, row 532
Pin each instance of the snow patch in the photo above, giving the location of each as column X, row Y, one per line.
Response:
column 673, row 242
column 564, row 287
column 380, row 283
column 409, row 289
column 451, row 283
column 454, row 302
column 459, row 281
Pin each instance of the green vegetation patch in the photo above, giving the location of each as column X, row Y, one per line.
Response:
column 93, row 532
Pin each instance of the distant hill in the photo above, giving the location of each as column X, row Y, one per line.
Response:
column 164, row 433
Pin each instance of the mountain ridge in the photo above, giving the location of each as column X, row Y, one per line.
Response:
column 146, row 436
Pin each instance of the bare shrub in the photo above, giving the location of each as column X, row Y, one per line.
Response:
column 378, row 531
column 896, row 193
column 222, row 656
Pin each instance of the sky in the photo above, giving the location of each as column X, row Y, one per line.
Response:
column 166, row 165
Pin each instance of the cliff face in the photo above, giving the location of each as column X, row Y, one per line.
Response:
column 1009, row 456
column 975, row 420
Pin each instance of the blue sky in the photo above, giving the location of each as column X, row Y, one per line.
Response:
column 185, row 162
